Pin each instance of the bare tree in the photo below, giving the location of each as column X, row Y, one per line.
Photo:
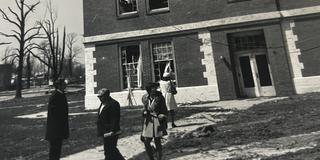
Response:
column 8, row 58
column 54, row 53
column 21, row 33
column 71, row 40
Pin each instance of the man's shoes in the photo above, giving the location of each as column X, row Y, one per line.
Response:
column 174, row 125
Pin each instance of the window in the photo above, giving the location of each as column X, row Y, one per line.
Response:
column 162, row 55
column 158, row 5
column 131, row 65
column 127, row 7
column 248, row 41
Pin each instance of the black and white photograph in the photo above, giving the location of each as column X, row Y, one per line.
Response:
column 160, row 79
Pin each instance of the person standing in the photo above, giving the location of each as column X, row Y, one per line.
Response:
column 155, row 124
column 57, row 120
column 108, row 124
column 168, row 90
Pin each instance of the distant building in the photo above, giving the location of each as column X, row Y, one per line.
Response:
column 5, row 76
column 218, row 49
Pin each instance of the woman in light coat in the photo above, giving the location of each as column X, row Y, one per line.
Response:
column 155, row 123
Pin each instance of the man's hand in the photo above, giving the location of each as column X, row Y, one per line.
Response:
column 107, row 134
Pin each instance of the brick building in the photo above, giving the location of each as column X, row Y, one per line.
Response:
column 5, row 76
column 218, row 49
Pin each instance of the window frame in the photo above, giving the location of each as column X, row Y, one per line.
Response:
column 127, row 14
column 157, row 11
column 120, row 64
column 173, row 58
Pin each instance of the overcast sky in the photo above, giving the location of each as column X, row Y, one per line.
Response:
column 70, row 14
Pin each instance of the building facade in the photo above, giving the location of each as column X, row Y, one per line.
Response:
column 5, row 76
column 218, row 49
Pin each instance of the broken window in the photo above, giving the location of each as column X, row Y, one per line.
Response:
column 162, row 55
column 130, row 66
column 158, row 4
column 127, row 6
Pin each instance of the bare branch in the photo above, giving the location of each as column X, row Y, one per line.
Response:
column 30, row 8
column 14, row 31
column 4, row 43
column 41, row 60
column 10, row 56
column 33, row 28
column 18, row 5
column 17, row 17
column 5, row 17
column 10, row 35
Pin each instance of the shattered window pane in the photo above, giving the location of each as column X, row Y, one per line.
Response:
column 162, row 55
column 127, row 6
column 157, row 4
column 129, row 60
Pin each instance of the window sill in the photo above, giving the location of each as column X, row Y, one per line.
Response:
column 158, row 11
column 128, row 15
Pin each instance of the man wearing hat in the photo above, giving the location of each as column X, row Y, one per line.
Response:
column 57, row 120
column 108, row 124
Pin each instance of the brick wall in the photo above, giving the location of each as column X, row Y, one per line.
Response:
column 188, row 61
column 308, row 31
column 293, row 4
column 228, row 87
column 5, row 75
column 278, row 60
column 146, row 60
column 100, row 16
column 226, row 82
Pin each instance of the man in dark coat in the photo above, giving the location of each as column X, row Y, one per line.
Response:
column 108, row 124
column 57, row 120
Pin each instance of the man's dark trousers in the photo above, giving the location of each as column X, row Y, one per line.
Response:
column 111, row 151
column 55, row 149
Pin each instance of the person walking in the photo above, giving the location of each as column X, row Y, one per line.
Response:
column 57, row 120
column 108, row 124
column 155, row 124
column 168, row 90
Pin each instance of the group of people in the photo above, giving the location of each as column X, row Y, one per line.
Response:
column 157, row 105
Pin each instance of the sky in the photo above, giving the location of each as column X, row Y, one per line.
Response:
column 70, row 15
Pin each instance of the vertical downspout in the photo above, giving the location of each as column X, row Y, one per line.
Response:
column 278, row 5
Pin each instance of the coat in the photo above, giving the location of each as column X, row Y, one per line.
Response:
column 109, row 118
column 165, row 87
column 57, row 119
column 153, row 126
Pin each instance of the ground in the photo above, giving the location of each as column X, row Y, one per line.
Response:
column 262, row 128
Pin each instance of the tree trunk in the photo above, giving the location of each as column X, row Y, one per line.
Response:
column 28, row 71
column 70, row 66
column 19, row 79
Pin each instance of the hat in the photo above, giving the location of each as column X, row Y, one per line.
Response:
column 58, row 82
column 151, row 85
column 103, row 92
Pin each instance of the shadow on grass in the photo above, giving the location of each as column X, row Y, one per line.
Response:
column 23, row 138
column 281, row 118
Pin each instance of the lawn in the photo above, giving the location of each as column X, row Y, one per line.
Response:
column 23, row 138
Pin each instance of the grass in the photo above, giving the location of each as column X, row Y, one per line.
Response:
column 23, row 138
